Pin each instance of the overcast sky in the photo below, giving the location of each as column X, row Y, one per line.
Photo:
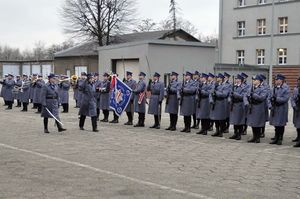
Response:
column 24, row 22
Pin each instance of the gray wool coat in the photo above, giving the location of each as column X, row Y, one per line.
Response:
column 140, row 88
column 131, row 84
column 7, row 93
column 203, row 106
column 104, row 95
column 25, row 95
column 50, row 99
column 157, row 95
column 37, row 91
column 280, row 109
column 236, row 106
column 173, row 95
column 295, row 103
column 64, row 88
column 88, row 105
column 97, row 84
column 188, row 98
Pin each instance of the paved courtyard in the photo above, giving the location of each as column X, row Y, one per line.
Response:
column 127, row 163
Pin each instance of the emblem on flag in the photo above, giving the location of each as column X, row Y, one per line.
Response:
column 120, row 95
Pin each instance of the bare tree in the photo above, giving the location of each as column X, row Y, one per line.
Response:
column 212, row 38
column 97, row 19
column 146, row 25
column 181, row 23
column 173, row 12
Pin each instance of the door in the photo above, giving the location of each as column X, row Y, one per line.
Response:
column 36, row 69
column 128, row 65
column 13, row 69
column 80, row 69
column 46, row 70
column 26, row 69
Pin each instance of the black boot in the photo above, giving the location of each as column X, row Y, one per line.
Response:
column 188, row 123
column 174, row 122
column 46, row 125
column 59, row 127
column 171, row 123
column 253, row 139
column 81, row 122
column 185, row 124
column 94, row 124
column 239, row 133
column 297, row 144
column 262, row 135
column 195, row 122
column 234, row 133
column 98, row 114
column 276, row 138
column 130, row 118
column 280, row 139
column 106, row 115
column 245, row 127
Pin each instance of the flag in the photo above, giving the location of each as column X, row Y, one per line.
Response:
column 120, row 95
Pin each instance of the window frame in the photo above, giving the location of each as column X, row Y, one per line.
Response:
column 241, row 31
column 261, row 26
column 283, row 25
column 282, row 58
column 260, row 56
column 240, row 57
column 261, row 2
column 241, row 3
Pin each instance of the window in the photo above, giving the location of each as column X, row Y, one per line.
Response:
column 261, row 26
column 241, row 3
column 240, row 57
column 282, row 56
column 283, row 25
column 262, row 1
column 260, row 56
column 241, row 30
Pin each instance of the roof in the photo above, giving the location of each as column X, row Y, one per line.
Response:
column 90, row 48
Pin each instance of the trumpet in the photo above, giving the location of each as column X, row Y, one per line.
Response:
column 64, row 80
column 74, row 78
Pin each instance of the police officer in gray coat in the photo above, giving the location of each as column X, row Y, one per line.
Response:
column 295, row 102
column 32, row 89
column 172, row 103
column 64, row 87
column 278, row 104
column 140, row 100
column 255, row 106
column 157, row 89
column 248, row 86
column 196, row 78
column 18, row 84
column 97, row 84
column 219, row 101
column 38, row 85
column 50, row 103
column 237, row 108
column 3, row 89
column 131, row 83
column 229, row 85
column 202, row 108
column 105, row 96
column 78, row 94
column 267, row 87
column 88, row 104
column 8, row 84
column 25, row 93
column 187, row 101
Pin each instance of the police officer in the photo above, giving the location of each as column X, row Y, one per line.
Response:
column 219, row 101
column 3, row 89
column 196, row 78
column 267, row 87
column 187, row 101
column 105, row 96
column 248, row 86
column 255, row 102
column 32, row 89
column 116, row 117
column 157, row 89
column 211, row 82
column 9, row 84
column 64, row 87
column 295, row 102
column 25, row 93
column 229, row 87
column 97, row 84
column 237, row 108
column 202, row 109
column 278, row 104
column 18, row 84
column 173, row 94
column 50, row 103
column 140, row 100
column 80, row 81
column 88, row 104
column 131, row 83
column 38, row 85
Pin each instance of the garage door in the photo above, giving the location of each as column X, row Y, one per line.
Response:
column 128, row 65
column 36, row 69
column 26, row 69
column 11, row 68
column 46, row 70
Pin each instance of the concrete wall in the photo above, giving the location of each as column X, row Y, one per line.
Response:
column 61, row 65
column 229, row 42
column 161, row 58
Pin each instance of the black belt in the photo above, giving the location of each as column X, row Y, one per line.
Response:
column 52, row 97
column 172, row 93
column 189, row 94
column 237, row 100
column 155, row 93
column 220, row 98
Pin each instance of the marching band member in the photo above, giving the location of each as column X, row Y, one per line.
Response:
column 50, row 103
column 130, row 107
column 97, row 84
column 203, row 110
column 64, row 87
column 295, row 102
column 157, row 89
column 88, row 104
column 18, row 84
column 278, row 104
column 105, row 96
column 196, row 79
column 187, row 101
column 172, row 104
column 38, row 85
column 255, row 106
column 140, row 100
column 25, row 93
column 2, row 94
column 229, row 86
column 8, row 85
column 237, row 108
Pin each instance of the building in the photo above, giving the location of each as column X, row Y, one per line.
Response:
column 260, row 33
column 44, row 67
column 144, row 51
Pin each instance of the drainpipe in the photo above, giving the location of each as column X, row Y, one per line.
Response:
column 272, row 45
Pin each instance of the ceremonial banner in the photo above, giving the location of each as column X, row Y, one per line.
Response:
column 120, row 95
